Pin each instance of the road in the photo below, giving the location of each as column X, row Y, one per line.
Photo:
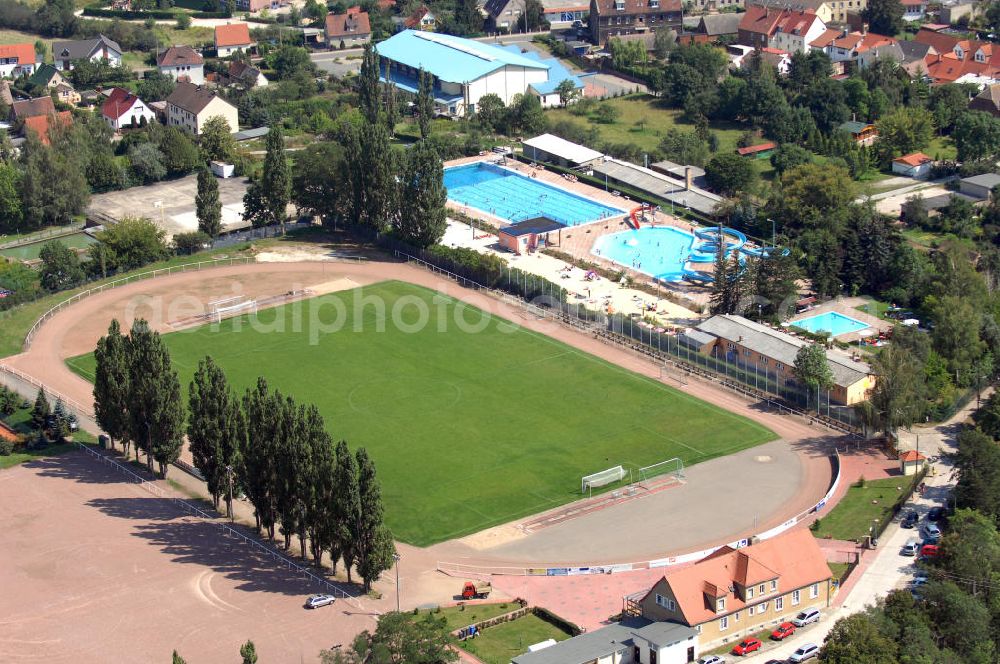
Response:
column 886, row 569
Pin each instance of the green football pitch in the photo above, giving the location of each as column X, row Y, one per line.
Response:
column 469, row 429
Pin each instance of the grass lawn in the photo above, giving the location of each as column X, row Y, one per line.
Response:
column 18, row 37
column 30, row 251
column 852, row 518
column 468, row 429
column 942, row 147
column 196, row 35
column 456, row 618
column 15, row 323
column 642, row 120
column 874, row 308
column 501, row 643
column 839, row 570
column 921, row 238
column 20, row 421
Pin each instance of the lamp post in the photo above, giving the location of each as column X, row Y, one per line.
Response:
column 229, row 498
column 395, row 558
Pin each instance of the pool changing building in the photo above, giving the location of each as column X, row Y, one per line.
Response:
column 465, row 70
column 736, row 339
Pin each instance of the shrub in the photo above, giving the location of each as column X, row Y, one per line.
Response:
column 6, row 447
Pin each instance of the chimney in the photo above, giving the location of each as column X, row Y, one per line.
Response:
column 687, row 178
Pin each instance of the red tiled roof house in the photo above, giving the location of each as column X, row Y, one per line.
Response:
column 231, row 38
column 351, row 29
column 123, row 109
column 18, row 59
column 736, row 592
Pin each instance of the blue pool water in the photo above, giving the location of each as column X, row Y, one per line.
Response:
column 509, row 195
column 658, row 252
column 832, row 322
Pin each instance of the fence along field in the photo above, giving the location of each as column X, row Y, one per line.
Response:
column 468, row 430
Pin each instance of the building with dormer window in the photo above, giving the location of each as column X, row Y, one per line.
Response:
column 733, row 593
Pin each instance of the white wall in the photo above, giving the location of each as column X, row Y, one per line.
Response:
column 133, row 116
column 219, row 106
column 786, row 41
column 14, row 69
column 195, row 73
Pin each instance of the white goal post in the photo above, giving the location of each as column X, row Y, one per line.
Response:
column 674, row 467
column 602, row 478
column 224, row 312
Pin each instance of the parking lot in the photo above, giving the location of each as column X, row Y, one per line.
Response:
column 171, row 203
column 96, row 569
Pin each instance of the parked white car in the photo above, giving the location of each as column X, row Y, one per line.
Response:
column 808, row 651
column 806, row 617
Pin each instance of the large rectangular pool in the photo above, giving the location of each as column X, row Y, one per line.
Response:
column 831, row 322
column 509, row 195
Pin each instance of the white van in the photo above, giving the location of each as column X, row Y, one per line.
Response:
column 806, row 617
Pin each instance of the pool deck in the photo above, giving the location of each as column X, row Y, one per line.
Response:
column 844, row 307
column 579, row 240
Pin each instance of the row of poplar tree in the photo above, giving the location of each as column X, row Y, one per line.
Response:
column 264, row 445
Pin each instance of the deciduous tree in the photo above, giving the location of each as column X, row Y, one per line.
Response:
column 421, row 221
column 60, row 267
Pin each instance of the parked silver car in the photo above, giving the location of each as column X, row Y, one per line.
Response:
column 808, row 651
column 317, row 601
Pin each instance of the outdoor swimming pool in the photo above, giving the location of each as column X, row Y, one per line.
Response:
column 658, row 252
column 514, row 197
column 832, row 322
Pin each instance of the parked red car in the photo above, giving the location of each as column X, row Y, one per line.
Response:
column 747, row 646
column 929, row 551
column 784, row 630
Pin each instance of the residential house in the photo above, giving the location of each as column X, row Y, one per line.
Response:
column 864, row 48
column 547, row 91
column 738, row 592
column 65, row 53
column 182, row 63
column 614, row 18
column 764, row 349
column 988, row 100
column 631, row 641
column 914, row 10
column 503, row 14
column 422, row 18
column 190, row 106
column 916, row 57
column 784, row 29
column 913, row 165
column 780, row 60
column 959, row 60
column 18, row 59
column 463, row 69
column 123, row 109
column 829, row 11
column 862, row 133
column 245, row 76
column 951, row 14
column 42, row 125
column 348, row 30
column 49, row 78
column 28, row 108
column 231, row 38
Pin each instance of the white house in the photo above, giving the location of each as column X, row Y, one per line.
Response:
column 914, row 165
column 231, row 38
column 65, row 53
column 182, row 63
column 123, row 109
column 464, row 70
column 18, row 59
column 914, row 10
column 190, row 106
column 795, row 31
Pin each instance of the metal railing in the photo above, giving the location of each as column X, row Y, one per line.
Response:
column 42, row 235
column 152, row 274
column 228, row 530
column 72, row 404
column 665, row 350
